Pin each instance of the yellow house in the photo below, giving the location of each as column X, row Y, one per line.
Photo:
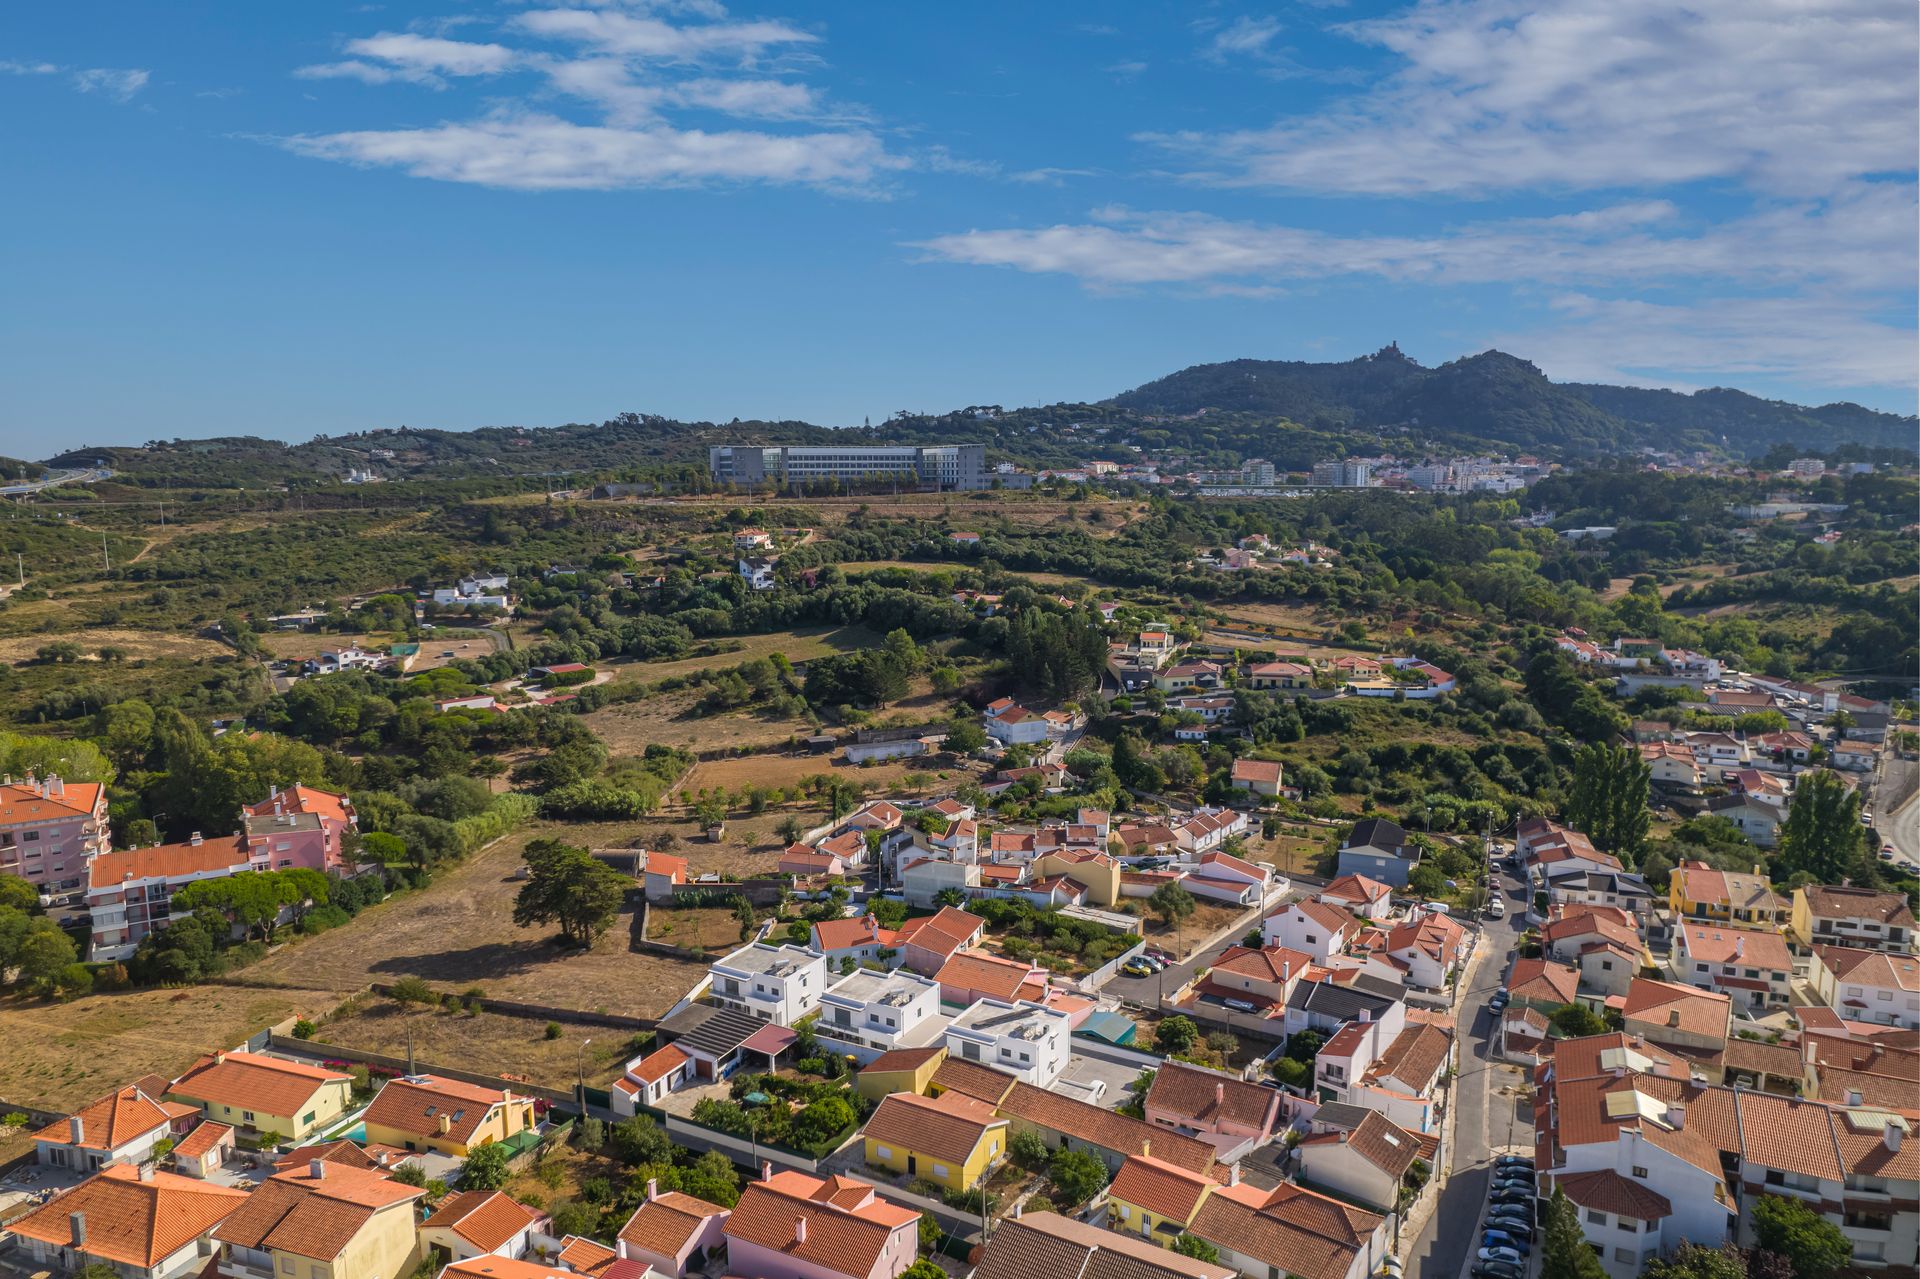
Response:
column 1697, row 891
column 323, row 1221
column 901, row 1070
column 1099, row 872
column 265, row 1094
column 430, row 1112
column 1155, row 1199
column 951, row 1142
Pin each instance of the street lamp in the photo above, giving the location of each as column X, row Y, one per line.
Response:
column 580, row 1063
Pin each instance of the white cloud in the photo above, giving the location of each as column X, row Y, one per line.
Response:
column 431, row 53
column 545, row 153
column 1125, row 70
column 369, row 73
column 1506, row 94
column 11, row 67
column 1863, row 241
column 120, row 84
column 1817, row 341
column 1244, row 37
column 653, row 39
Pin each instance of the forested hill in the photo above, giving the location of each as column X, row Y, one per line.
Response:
column 1499, row 398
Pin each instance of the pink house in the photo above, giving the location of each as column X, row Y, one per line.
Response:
column 668, row 1229
column 50, row 830
column 791, row 1226
column 130, row 892
column 1228, row 1112
column 300, row 826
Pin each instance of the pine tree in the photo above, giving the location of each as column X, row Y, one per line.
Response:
column 1565, row 1254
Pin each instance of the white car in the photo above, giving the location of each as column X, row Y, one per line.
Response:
column 1509, row 1255
column 1496, row 907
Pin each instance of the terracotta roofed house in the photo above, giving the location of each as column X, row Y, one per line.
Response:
column 1232, row 1114
column 1291, row 1231
column 1044, row 1245
column 121, row 1127
column 1365, row 1163
column 1869, row 986
column 931, row 940
column 50, row 830
column 1358, row 894
column 952, row 1142
column 130, row 892
column 477, row 1223
column 1863, row 918
column 1261, row 776
column 1542, row 983
column 260, row 1094
column 792, row 1226
column 668, row 1228
column 1750, row 965
column 346, row 1221
column 153, row 1225
column 431, row 1112
column 1155, row 1199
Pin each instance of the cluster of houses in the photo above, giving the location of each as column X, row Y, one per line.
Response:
column 1258, row 551
column 483, row 590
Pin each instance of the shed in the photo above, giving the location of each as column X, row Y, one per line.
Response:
column 1109, row 1028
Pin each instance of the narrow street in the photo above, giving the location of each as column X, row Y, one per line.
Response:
column 1488, row 1115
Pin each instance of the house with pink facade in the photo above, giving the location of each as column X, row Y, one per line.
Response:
column 1224, row 1110
column 300, row 826
column 50, row 830
column 788, row 1225
column 130, row 892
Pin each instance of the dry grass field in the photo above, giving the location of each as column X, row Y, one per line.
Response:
column 1299, row 619
column 437, row 648
column 136, row 644
column 459, row 933
column 702, row 928
column 59, row 1056
column 785, row 771
column 628, row 728
column 799, row 645
column 494, row 1042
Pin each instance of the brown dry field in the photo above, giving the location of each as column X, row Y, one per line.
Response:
column 484, row 1041
column 464, row 645
column 138, row 644
column 59, row 1056
column 799, row 645
column 628, row 728
column 787, row 770
column 705, row 928
column 459, row 932
column 1287, row 617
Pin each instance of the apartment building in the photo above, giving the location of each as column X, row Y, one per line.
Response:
column 130, row 892
column 1751, row 966
column 1860, row 918
column 1868, row 986
column 1025, row 1039
column 949, row 467
column 50, row 830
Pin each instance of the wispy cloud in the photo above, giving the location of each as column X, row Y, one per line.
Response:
column 1244, row 36
column 121, row 84
column 635, row 65
column 1498, row 95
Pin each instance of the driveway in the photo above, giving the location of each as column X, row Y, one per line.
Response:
column 1489, row 1114
column 1145, row 992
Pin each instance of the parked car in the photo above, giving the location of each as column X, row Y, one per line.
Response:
column 1513, row 1221
column 1511, row 1198
column 1496, row 907
column 1154, row 952
column 1137, row 968
column 1496, row 1270
column 1507, row 1239
column 1494, row 1252
column 1513, row 1161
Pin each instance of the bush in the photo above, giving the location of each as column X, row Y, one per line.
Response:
column 592, row 1133
column 485, row 1168
column 1077, row 1175
column 1027, row 1149
column 304, row 1029
column 412, row 990
column 553, row 1030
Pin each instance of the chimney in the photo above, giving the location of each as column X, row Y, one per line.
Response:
column 195, row 839
column 799, row 1230
column 653, row 1189
column 1854, row 1097
column 77, row 1223
column 1891, row 1135
column 1233, row 1175
column 766, row 1170
column 76, row 1129
column 1676, row 1116
column 317, row 1169
column 1220, row 1093
column 146, row 1172
column 55, row 787
column 1673, row 1016
column 220, row 1058
column 1018, row 1209
column 1366, row 1014
column 1146, row 1148
column 445, row 1125
column 1739, row 947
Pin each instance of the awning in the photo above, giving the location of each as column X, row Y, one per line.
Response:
column 771, row 1040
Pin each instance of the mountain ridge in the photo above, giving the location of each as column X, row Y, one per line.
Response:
column 1501, row 398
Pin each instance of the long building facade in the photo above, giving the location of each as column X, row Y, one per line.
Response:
column 943, row 466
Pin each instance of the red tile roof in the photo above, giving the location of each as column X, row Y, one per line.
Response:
column 168, row 861
column 248, row 1081
column 486, row 1219
column 664, row 1224
column 130, row 1220
column 1163, row 1189
column 948, row 1129
column 1605, row 1190
column 416, row 1104
column 114, row 1120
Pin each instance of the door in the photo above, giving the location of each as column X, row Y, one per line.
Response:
column 913, row 1165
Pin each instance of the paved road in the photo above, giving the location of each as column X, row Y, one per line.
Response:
column 1485, row 1118
column 1145, row 991
column 1901, row 828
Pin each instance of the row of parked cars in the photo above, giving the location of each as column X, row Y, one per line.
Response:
column 1147, row 962
column 1506, row 1238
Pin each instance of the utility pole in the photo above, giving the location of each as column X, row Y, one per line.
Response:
column 580, row 1061
column 104, row 555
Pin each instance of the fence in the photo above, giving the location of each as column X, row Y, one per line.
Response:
column 1099, row 977
column 36, row 1118
column 743, row 1151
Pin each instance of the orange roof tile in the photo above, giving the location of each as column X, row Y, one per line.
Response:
column 112, row 1121
column 20, row 802
column 203, row 1139
column 949, row 1129
column 1605, row 1190
column 309, row 1216
column 486, row 1219
column 986, row 974
column 132, row 1220
column 416, row 1105
column 1161, row 1188
column 168, row 861
column 664, row 1224
column 249, row 1081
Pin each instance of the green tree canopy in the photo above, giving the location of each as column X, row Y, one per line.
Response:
column 1822, row 835
column 568, row 887
column 1811, row 1244
column 1565, row 1254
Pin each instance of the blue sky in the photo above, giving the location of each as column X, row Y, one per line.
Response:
column 288, row 219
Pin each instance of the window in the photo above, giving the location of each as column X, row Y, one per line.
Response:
column 247, row 1115
column 1629, row 1225
column 1606, row 965
column 31, row 837
column 1311, row 939
column 1124, row 1212
column 308, row 1117
column 1596, row 1217
column 1885, row 996
column 1700, row 968
column 1628, row 1255
column 1775, row 1177
column 884, row 1152
column 286, row 1265
column 939, row 1170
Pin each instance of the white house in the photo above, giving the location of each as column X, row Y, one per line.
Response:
column 867, row 1013
column 923, row 879
column 1016, row 726
column 481, row 1223
column 648, row 1078
column 1868, row 985
column 1320, row 929
column 781, row 983
column 758, row 572
column 1022, row 1038
column 1364, row 1164
column 120, row 1128
column 1208, row 828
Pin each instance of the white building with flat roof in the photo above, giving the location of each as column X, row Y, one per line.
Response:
column 1023, row 1038
column 945, row 466
column 867, row 1013
column 781, row 983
